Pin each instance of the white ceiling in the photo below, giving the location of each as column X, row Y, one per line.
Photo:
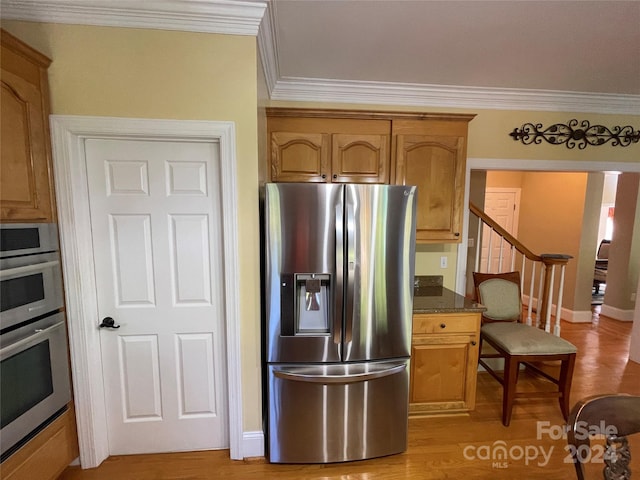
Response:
column 579, row 49
column 568, row 56
column 580, row 46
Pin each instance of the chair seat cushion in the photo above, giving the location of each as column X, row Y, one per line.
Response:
column 520, row 339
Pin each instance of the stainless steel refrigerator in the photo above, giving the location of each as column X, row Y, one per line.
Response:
column 338, row 296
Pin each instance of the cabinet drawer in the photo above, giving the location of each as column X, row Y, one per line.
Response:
column 446, row 323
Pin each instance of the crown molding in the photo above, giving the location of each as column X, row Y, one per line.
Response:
column 409, row 94
column 206, row 16
column 256, row 18
column 268, row 48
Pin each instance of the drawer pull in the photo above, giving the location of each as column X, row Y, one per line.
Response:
column 473, row 343
column 443, row 325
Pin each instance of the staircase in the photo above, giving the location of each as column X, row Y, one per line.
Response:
column 541, row 276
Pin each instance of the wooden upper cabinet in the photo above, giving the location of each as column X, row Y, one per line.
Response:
column 432, row 156
column 299, row 157
column 351, row 146
column 360, row 158
column 25, row 180
column 306, row 147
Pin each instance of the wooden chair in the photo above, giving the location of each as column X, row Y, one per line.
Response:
column 517, row 342
column 614, row 416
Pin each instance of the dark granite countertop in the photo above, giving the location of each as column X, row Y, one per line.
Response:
column 438, row 299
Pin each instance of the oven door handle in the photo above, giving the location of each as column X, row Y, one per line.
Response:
column 34, row 337
column 36, row 267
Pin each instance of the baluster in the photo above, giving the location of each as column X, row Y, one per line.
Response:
column 478, row 245
column 532, row 283
column 500, row 254
column 539, row 300
column 549, row 291
column 556, row 328
column 489, row 250
column 513, row 259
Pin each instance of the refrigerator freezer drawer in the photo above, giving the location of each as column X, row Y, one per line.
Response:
column 337, row 412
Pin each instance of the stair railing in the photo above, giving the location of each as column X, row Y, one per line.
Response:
column 542, row 269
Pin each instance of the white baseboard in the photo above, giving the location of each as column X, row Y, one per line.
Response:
column 253, row 444
column 577, row 317
column 617, row 313
column 570, row 316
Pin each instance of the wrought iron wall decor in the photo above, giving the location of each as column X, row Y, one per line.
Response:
column 576, row 133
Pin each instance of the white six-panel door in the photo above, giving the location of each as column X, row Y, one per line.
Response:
column 501, row 204
column 156, row 228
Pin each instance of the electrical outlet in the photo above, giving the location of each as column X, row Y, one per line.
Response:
column 443, row 262
column 471, row 242
column 633, row 297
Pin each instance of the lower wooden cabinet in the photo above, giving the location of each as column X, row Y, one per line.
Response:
column 46, row 455
column 444, row 363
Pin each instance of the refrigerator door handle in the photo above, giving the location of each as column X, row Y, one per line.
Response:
column 339, row 286
column 301, row 374
column 350, row 270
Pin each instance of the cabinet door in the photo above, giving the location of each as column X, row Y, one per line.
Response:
column 359, row 158
column 436, row 165
column 25, row 188
column 321, row 146
column 443, row 373
column 299, row 157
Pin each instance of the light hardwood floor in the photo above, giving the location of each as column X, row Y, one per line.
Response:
column 454, row 447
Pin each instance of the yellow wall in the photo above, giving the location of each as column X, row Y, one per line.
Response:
column 551, row 215
column 489, row 138
column 500, row 179
column 489, row 132
column 624, row 257
column 553, row 206
column 163, row 74
column 124, row 72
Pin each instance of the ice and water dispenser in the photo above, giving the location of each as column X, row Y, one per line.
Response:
column 305, row 300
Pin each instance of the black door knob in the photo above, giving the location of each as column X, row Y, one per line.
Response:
column 108, row 322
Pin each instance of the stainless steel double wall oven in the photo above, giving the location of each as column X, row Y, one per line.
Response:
column 34, row 369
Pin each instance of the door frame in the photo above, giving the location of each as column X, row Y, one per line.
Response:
column 68, row 134
column 521, row 164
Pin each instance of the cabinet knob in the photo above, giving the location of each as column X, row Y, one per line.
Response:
column 443, row 325
column 457, row 234
column 324, row 176
column 335, row 176
column 473, row 342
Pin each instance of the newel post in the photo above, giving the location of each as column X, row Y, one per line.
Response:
column 550, row 262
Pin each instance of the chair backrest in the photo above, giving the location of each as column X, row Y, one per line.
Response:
column 603, row 250
column 615, row 416
column 500, row 293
